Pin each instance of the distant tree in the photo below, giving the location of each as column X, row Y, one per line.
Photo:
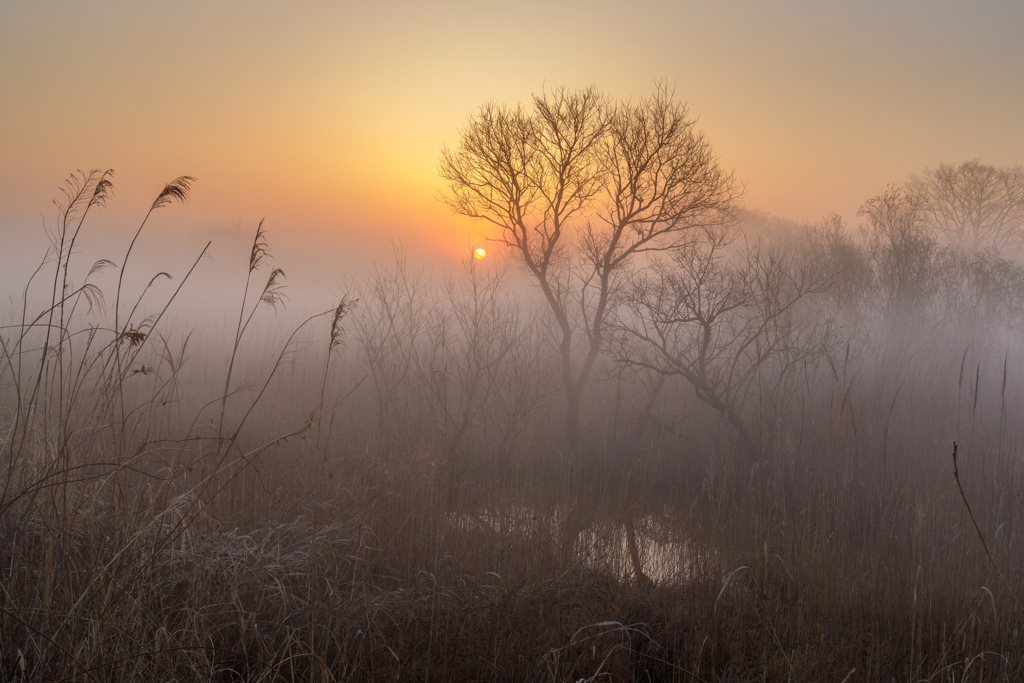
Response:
column 902, row 253
column 846, row 262
column 579, row 187
column 980, row 293
column 973, row 206
column 392, row 327
column 477, row 326
column 734, row 327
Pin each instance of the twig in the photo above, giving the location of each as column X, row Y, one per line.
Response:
column 981, row 537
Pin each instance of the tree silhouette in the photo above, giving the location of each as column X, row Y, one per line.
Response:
column 580, row 187
column 973, row 206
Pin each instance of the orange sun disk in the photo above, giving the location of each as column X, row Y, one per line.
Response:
column 479, row 253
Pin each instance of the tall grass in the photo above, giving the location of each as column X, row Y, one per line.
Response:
column 402, row 507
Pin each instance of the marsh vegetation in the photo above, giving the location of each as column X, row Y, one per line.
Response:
column 708, row 446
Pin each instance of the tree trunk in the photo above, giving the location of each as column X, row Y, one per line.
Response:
column 572, row 420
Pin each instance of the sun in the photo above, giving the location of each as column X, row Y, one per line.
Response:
column 479, row 253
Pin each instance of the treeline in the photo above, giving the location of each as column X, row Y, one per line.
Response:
column 730, row 327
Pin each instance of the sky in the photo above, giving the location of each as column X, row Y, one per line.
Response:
column 326, row 119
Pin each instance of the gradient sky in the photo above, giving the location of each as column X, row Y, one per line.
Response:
column 327, row 118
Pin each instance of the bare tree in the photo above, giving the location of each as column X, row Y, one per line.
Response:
column 979, row 295
column 901, row 251
column 847, row 261
column 460, row 366
column 398, row 313
column 578, row 188
column 974, row 206
column 732, row 328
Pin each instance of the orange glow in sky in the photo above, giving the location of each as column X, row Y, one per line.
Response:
column 327, row 118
